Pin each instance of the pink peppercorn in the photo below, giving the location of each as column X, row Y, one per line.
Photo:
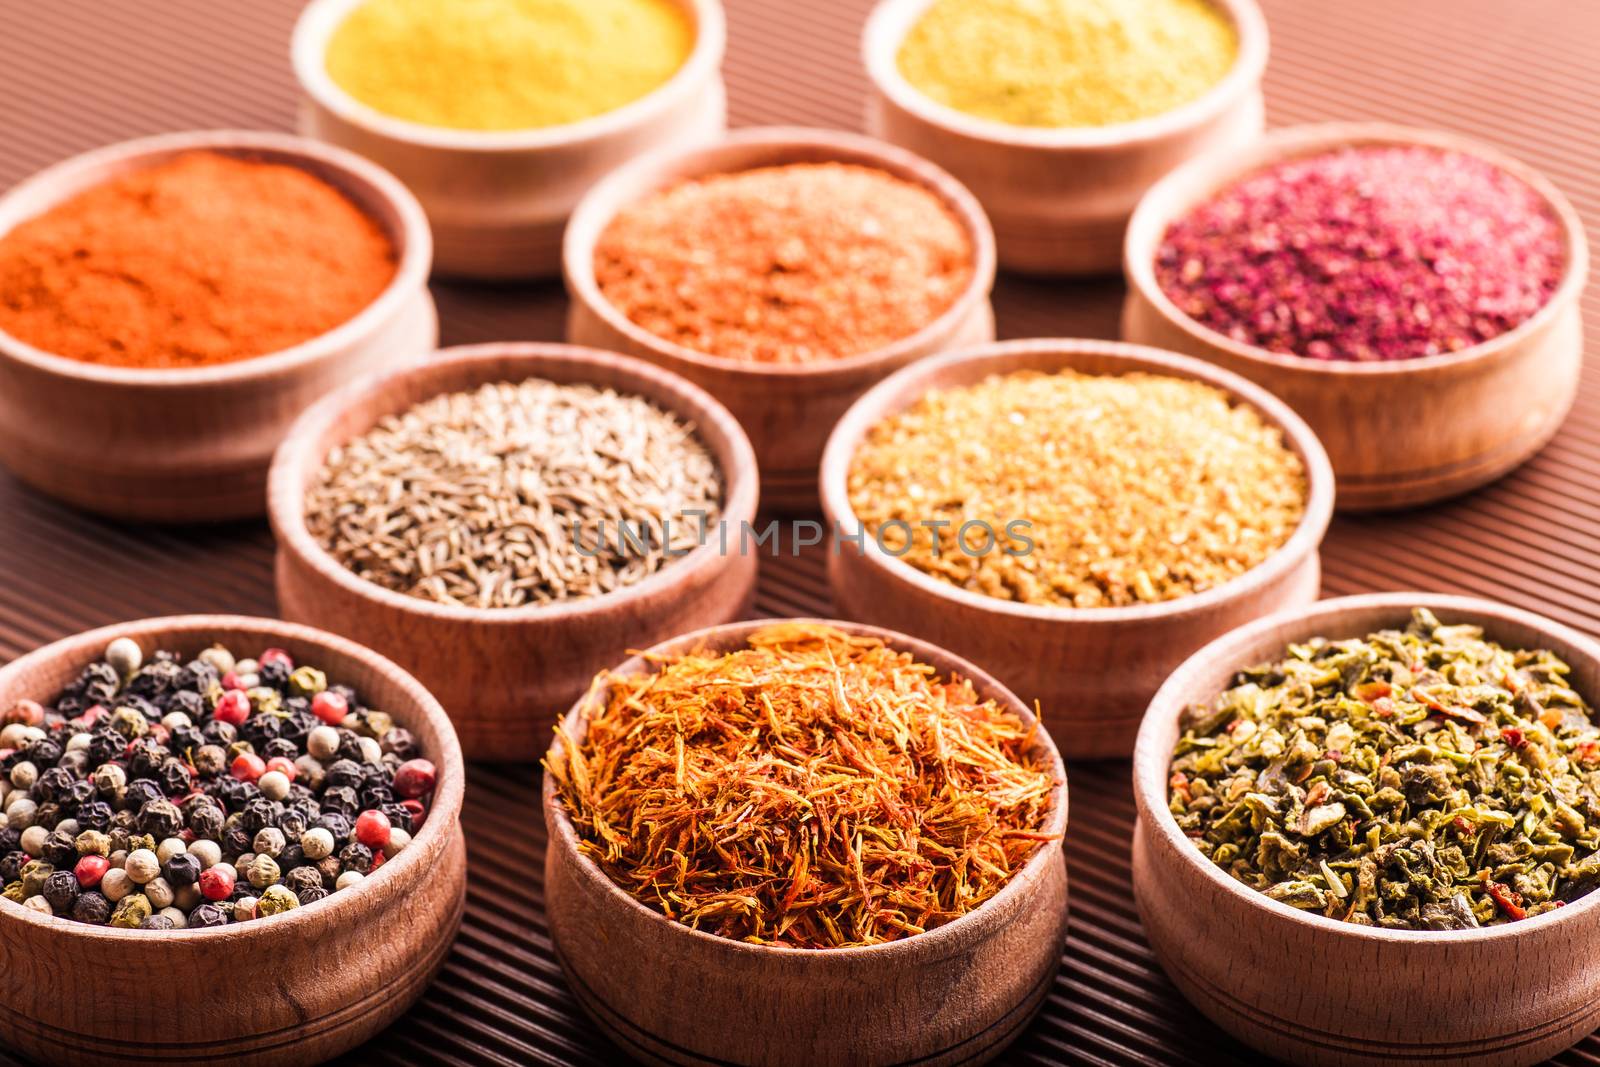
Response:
column 231, row 681
column 275, row 655
column 247, row 767
column 1370, row 253
column 233, row 707
column 216, row 884
column 26, row 712
column 414, row 778
column 90, row 869
column 284, row 766
column 418, row 812
column 330, row 707
column 372, row 829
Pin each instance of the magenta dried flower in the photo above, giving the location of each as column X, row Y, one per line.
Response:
column 1371, row 253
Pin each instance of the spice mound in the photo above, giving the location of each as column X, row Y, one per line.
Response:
column 202, row 260
column 506, row 64
column 516, row 494
column 813, row 789
column 200, row 792
column 1417, row 779
column 790, row 264
column 1373, row 253
column 1067, row 62
column 1077, row 490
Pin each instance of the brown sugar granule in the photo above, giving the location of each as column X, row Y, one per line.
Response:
column 789, row 264
column 201, row 260
column 1138, row 487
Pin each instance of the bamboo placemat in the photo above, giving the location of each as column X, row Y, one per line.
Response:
column 80, row 73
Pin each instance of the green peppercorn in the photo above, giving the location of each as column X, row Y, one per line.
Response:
column 129, row 723
column 15, row 891
column 92, row 843
column 34, row 874
column 131, row 910
column 277, row 899
column 262, row 871
column 307, row 682
column 264, row 699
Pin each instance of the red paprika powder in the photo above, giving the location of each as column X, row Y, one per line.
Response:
column 201, row 260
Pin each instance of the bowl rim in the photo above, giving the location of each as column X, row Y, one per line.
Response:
column 443, row 816
column 318, row 21
column 1206, row 176
column 885, row 30
column 999, row 358
column 606, row 198
column 298, row 459
column 939, row 942
column 413, row 247
column 1152, row 761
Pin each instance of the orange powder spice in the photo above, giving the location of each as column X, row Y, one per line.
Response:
column 789, row 264
column 202, row 260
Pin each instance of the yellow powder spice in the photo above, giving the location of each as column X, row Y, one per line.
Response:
column 507, row 64
column 1136, row 488
column 1067, row 62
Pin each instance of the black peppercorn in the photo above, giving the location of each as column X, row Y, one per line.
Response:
column 43, row 752
column 157, row 922
column 208, row 915
column 160, row 819
column 399, row 815
column 61, row 889
column 182, row 869
column 336, row 823
column 11, row 863
column 219, row 733
column 399, row 742
column 95, row 815
column 60, row 849
column 275, row 674
column 356, row 857
column 280, row 746
column 206, row 819
column 91, row 907
column 342, row 800
column 302, row 878
column 75, row 795
column 311, row 894
column 174, row 777
column 236, row 839
column 51, row 785
column 140, row 792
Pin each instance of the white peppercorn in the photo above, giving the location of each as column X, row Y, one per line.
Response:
column 20, row 812
column 274, row 785
column 348, row 879
column 159, row 893
column 24, row 774
column 170, row 847
column 39, row 904
column 142, row 865
column 371, row 751
column 115, row 884
column 124, row 655
column 398, row 839
column 316, row 843
column 242, row 667
column 244, row 909
column 78, row 742
column 269, row 841
column 177, row 914
column 174, row 719
column 208, row 852
column 323, row 743
column 33, row 839
column 218, row 658
column 117, row 856
column 186, row 897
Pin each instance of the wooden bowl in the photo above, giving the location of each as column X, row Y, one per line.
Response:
column 670, row 994
column 294, row 988
column 1314, row 990
column 1401, row 432
column 498, row 200
column 1092, row 670
column 506, row 674
column 786, row 409
column 173, row 445
column 1060, row 197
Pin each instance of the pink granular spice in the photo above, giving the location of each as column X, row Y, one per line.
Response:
column 1366, row 254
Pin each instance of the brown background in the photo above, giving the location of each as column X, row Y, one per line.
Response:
column 1524, row 75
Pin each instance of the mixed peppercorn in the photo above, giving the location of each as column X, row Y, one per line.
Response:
column 167, row 794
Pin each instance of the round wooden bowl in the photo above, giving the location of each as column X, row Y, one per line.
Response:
column 1060, row 197
column 193, row 444
column 1091, row 670
column 295, row 988
column 670, row 994
column 786, row 409
column 1313, row 990
column 506, row 674
column 1400, row 432
column 498, row 200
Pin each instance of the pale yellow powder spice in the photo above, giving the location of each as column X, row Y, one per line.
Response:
column 1067, row 62
column 1138, row 487
column 507, row 64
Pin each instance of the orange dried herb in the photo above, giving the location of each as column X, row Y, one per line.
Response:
column 814, row 790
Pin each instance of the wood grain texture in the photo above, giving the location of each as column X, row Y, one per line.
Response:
column 787, row 409
column 1331, row 994
column 173, row 445
column 506, row 674
column 316, row 981
column 1402, row 432
column 1093, row 670
column 1060, row 198
column 498, row 200
column 669, row 994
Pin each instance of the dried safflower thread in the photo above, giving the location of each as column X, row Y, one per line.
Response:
column 1056, row 63
column 514, row 494
column 812, row 789
column 1416, row 778
column 506, row 64
column 1368, row 253
column 119, row 827
column 200, row 260
column 790, row 264
column 1135, row 488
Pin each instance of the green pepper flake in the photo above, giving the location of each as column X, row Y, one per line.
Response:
column 1424, row 779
